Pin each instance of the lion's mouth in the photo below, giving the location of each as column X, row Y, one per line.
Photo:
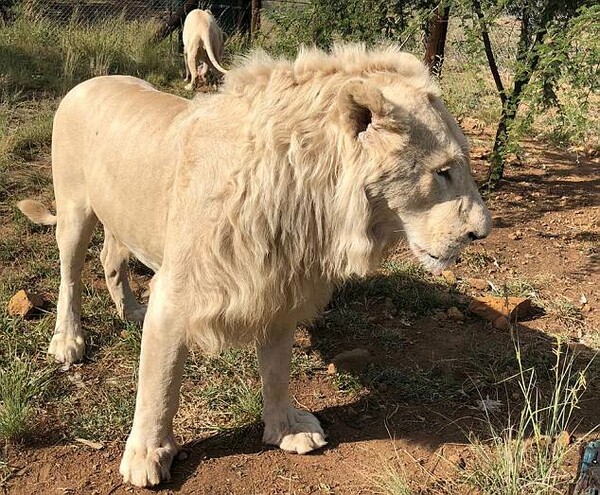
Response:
column 434, row 263
column 419, row 251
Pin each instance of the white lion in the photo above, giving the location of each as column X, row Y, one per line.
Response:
column 202, row 44
column 250, row 205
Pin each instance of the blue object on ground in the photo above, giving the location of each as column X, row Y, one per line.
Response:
column 589, row 472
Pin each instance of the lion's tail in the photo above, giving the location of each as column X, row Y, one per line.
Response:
column 210, row 40
column 36, row 212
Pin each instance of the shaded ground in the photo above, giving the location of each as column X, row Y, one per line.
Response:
column 414, row 406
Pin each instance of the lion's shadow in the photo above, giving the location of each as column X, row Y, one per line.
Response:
column 426, row 374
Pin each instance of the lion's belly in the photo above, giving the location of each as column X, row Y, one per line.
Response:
column 115, row 142
column 133, row 208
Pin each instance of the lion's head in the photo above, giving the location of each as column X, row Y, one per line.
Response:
column 346, row 150
column 420, row 177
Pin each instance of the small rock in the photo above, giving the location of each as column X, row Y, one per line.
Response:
column 479, row 152
column 477, row 283
column 23, row 303
column 471, row 124
column 563, row 439
column 515, row 236
column 355, row 360
column 449, row 277
column 492, row 308
column 577, row 346
column 455, row 314
column 501, row 323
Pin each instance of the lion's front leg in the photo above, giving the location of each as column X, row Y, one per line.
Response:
column 289, row 428
column 151, row 445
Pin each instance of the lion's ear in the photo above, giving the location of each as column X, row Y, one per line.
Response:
column 362, row 104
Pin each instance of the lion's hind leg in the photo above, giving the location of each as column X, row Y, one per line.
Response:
column 115, row 258
column 192, row 63
column 289, row 428
column 185, row 65
column 75, row 225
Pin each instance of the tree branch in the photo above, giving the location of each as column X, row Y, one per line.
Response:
column 488, row 51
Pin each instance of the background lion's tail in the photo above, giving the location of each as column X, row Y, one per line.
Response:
column 211, row 39
column 36, row 212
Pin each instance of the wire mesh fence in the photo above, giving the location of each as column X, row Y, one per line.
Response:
column 89, row 11
column 232, row 15
column 98, row 10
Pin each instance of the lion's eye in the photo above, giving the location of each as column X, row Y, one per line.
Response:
column 444, row 172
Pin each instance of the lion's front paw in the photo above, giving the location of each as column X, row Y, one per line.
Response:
column 299, row 432
column 67, row 347
column 144, row 465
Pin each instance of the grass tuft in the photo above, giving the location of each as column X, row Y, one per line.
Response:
column 391, row 482
column 109, row 415
column 346, row 383
column 233, row 404
column 22, row 383
column 525, row 456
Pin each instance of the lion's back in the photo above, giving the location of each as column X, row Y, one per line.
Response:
column 114, row 146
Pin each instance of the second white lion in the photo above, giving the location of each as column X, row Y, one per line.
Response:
column 202, row 46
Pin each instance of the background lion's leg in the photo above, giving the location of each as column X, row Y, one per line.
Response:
column 185, row 65
column 151, row 445
column 73, row 233
column 192, row 63
column 115, row 258
column 289, row 428
column 202, row 70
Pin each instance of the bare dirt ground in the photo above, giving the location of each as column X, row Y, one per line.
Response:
column 415, row 407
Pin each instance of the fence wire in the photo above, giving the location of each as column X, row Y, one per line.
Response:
column 100, row 10
column 231, row 15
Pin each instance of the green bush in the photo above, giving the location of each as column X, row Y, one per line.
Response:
column 321, row 23
column 565, row 87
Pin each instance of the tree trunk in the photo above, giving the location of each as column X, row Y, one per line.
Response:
column 436, row 40
column 489, row 53
column 255, row 20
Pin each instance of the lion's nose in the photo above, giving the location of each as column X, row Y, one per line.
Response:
column 481, row 223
